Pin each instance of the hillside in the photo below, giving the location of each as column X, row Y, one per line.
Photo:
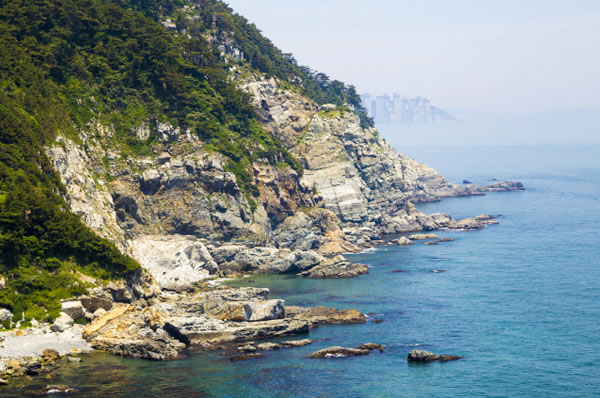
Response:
column 175, row 134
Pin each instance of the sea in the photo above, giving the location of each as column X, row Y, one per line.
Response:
column 519, row 301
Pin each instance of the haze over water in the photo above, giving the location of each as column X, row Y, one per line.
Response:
column 518, row 300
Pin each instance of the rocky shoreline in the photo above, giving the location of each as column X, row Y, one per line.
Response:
column 140, row 318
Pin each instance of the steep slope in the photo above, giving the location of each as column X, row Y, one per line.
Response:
column 174, row 133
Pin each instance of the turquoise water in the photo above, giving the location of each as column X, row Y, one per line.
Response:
column 520, row 301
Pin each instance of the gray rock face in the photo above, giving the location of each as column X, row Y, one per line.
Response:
column 176, row 262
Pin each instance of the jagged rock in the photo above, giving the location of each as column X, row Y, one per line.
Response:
column 325, row 315
column 339, row 352
column 422, row 236
column 62, row 323
column 243, row 357
column 132, row 332
column 404, row 241
column 424, row 356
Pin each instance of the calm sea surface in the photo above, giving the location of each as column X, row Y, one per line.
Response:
column 520, row 301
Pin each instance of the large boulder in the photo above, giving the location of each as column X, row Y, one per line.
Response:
column 62, row 323
column 73, row 308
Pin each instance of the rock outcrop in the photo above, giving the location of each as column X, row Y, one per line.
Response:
column 425, row 356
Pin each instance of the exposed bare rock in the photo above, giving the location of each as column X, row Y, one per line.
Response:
column 339, row 352
column 296, row 343
column 325, row 315
column 176, row 262
column 422, row 236
column 268, row 346
column 425, row 356
column 336, row 267
column 503, row 187
column 404, row 241
column 371, row 347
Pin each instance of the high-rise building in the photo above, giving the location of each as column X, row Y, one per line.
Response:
column 396, row 109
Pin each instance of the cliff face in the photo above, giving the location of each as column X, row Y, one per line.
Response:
column 361, row 178
column 174, row 207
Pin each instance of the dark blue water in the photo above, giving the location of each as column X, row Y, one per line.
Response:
column 520, row 301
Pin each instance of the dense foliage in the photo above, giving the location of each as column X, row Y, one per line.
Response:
column 264, row 56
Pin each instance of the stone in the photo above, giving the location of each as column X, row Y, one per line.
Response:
column 95, row 303
column 404, row 241
column 177, row 263
column 72, row 359
column 378, row 320
column 244, row 357
column 5, row 315
column 74, row 309
column 431, row 243
column 247, row 348
column 3, row 382
column 296, row 343
column 504, row 186
column 425, row 356
column 445, row 240
column 50, row 355
column 339, row 352
column 325, row 315
column 370, row 347
column 422, row 236
column 336, row 267
column 268, row 346
column 62, row 323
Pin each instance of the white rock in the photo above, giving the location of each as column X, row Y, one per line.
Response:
column 62, row 323
column 5, row 314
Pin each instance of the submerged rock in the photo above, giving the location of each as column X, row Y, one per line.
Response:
column 425, row 356
column 243, row 357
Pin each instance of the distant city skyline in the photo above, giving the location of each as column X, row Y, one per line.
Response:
column 509, row 56
column 399, row 109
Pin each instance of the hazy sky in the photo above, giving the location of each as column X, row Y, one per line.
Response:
column 495, row 56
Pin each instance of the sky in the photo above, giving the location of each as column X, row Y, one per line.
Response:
column 507, row 56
